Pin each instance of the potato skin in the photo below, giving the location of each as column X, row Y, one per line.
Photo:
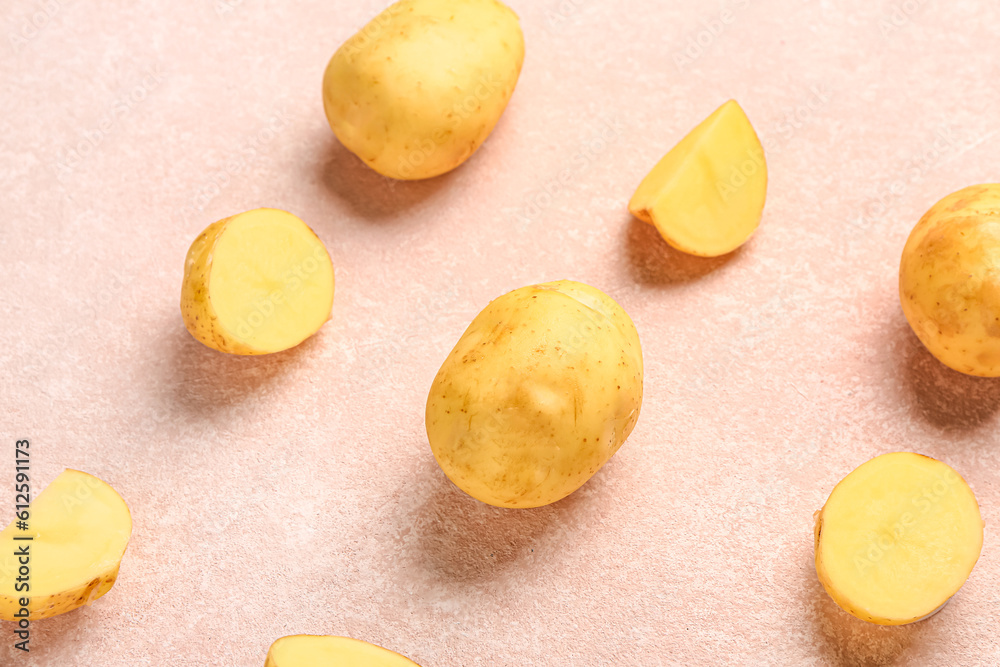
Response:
column 540, row 391
column 417, row 90
column 196, row 309
column 949, row 280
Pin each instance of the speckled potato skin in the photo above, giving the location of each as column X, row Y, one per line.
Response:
column 540, row 391
column 949, row 280
column 417, row 90
column 196, row 308
column 60, row 603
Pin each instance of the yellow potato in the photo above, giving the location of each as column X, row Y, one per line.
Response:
column 256, row 283
column 706, row 195
column 541, row 390
column 79, row 529
column 419, row 88
column 949, row 280
column 326, row 651
column 897, row 538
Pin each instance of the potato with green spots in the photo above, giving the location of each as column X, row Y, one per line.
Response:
column 540, row 392
column 79, row 528
column 949, row 280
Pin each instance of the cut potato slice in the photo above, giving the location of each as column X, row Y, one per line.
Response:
column 79, row 528
column 326, row 651
column 706, row 196
column 256, row 283
column 897, row 538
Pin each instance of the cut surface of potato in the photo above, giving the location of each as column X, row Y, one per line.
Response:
column 328, row 651
column 949, row 280
column 256, row 283
column 80, row 528
column 706, row 195
column 897, row 538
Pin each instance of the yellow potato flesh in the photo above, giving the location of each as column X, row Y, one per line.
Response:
column 949, row 280
column 256, row 283
column 80, row 528
column 419, row 89
column 706, row 196
column 541, row 390
column 326, row 651
column 897, row 538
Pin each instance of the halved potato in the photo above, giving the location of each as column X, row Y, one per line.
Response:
column 79, row 529
column 327, row 651
column 706, row 196
column 256, row 283
column 897, row 538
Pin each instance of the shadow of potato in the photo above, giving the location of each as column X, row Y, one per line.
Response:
column 653, row 261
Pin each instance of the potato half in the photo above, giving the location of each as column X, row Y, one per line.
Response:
column 706, row 196
column 256, row 283
column 949, row 280
column 541, row 390
column 79, row 529
column 417, row 91
column 327, row 651
column 897, row 538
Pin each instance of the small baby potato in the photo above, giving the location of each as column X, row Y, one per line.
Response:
column 78, row 529
column 417, row 91
column 949, row 280
column 706, row 196
column 540, row 392
column 256, row 283
column 897, row 538
column 327, row 651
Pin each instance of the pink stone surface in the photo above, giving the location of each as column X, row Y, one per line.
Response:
column 296, row 493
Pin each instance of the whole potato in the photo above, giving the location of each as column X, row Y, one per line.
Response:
column 540, row 391
column 949, row 280
column 419, row 88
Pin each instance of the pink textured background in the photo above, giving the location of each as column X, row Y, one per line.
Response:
column 296, row 493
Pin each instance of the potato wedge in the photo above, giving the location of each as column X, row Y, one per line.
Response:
column 79, row 529
column 706, row 196
column 328, row 651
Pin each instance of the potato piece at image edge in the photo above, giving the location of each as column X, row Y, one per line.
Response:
column 256, row 283
column 419, row 89
column 949, row 283
column 897, row 538
column 80, row 528
column 329, row 651
column 538, row 394
column 706, row 196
